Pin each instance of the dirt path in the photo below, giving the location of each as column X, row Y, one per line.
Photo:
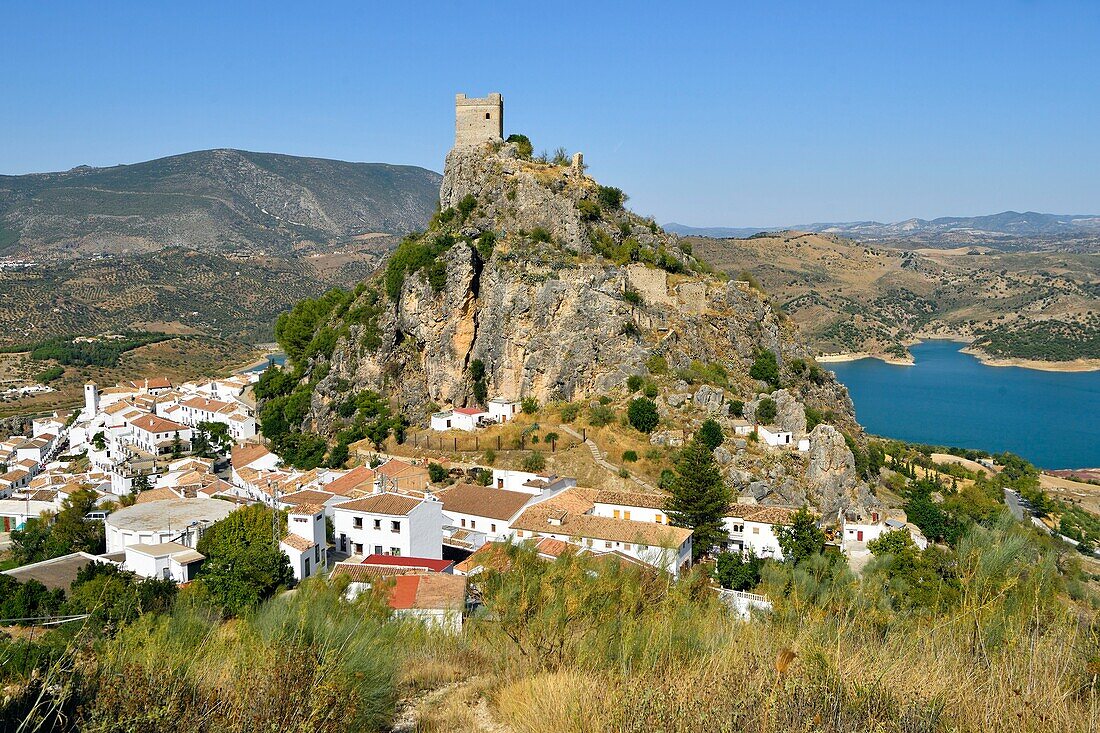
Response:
column 422, row 712
column 601, row 459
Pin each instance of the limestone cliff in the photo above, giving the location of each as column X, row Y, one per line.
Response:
column 541, row 275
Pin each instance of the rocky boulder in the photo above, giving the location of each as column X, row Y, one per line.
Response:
column 831, row 475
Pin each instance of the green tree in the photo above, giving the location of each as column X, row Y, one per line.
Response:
column 610, row 198
column 244, row 564
column 766, row 411
column 765, row 368
column 737, row 572
column 634, row 382
column 524, row 148
column 177, row 445
column 600, row 415
column 99, row 441
column 642, row 414
column 710, row 433
column 802, row 538
column 70, row 531
column 530, row 405
column 437, row 473
column 699, row 498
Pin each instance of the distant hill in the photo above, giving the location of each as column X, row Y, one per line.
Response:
column 217, row 201
column 715, row 232
column 1009, row 230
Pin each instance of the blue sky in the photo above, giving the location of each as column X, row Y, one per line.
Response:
column 725, row 113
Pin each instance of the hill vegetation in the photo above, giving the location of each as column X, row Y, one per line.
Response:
column 853, row 297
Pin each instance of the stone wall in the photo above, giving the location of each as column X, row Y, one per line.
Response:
column 478, row 119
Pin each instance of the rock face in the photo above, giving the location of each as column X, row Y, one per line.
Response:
column 564, row 303
column 831, row 475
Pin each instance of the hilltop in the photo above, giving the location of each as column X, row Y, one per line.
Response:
column 213, row 200
column 216, row 242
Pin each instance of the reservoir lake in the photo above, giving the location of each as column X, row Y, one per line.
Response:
column 950, row 398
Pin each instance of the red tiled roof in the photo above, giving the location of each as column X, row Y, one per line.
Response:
column 360, row 478
column 423, row 563
column 469, row 410
column 154, row 424
column 246, row 453
column 436, row 591
column 392, row 504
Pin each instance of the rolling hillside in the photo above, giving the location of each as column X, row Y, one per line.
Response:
column 212, row 200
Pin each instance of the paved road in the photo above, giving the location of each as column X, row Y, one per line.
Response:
column 1013, row 501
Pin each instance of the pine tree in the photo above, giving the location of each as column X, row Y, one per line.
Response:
column 700, row 498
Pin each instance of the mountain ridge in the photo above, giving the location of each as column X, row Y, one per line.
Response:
column 219, row 200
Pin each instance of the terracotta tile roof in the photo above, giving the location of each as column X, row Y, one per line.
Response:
column 762, row 514
column 306, row 496
column 414, row 563
column 304, row 508
column 217, row 486
column 203, row 403
column 394, row 468
column 246, row 453
column 628, row 498
column 156, row 495
column 550, row 547
column 483, row 501
column 469, row 411
column 437, row 591
column 369, row 573
column 392, row 504
column 358, row 480
column 154, row 424
column 586, row 526
column 298, row 542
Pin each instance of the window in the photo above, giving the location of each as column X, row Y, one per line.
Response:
column 607, row 545
column 378, row 549
column 395, row 526
column 395, row 551
column 378, row 524
column 463, row 522
column 493, row 527
column 615, row 514
column 473, row 524
column 305, row 571
column 317, row 553
column 488, row 116
column 357, row 522
column 659, row 519
column 358, row 548
column 626, row 546
column 756, row 530
column 626, row 514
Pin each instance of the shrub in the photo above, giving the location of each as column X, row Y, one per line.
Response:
column 524, row 148
column 765, row 410
column 590, row 210
column 634, row 382
column 534, row 462
column 632, row 296
column 50, row 374
column 540, row 234
column 437, row 473
column 466, row 207
column 600, row 415
column 642, row 414
column 653, row 454
column 737, row 408
column 765, row 368
column 630, row 456
column 605, row 399
column 485, row 244
column 529, row 405
column 490, row 456
column 657, row 364
column 610, row 197
column 569, row 412
column 650, row 390
column 623, row 473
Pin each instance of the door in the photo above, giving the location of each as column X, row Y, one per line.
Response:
column 859, row 536
column 343, row 542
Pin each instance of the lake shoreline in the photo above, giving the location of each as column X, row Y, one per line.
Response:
column 1072, row 366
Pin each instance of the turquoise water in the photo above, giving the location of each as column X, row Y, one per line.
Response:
column 951, row 398
column 279, row 358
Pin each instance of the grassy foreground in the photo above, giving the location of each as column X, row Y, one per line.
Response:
column 578, row 645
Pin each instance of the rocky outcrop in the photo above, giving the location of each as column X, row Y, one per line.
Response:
column 831, row 478
column 560, row 297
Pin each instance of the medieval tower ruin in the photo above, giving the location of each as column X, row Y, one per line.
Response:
column 478, row 120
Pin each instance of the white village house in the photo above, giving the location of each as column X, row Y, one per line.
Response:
column 459, row 418
column 390, row 524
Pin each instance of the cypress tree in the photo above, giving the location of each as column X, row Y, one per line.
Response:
column 700, row 498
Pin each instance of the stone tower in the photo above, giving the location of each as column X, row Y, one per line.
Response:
column 478, row 120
